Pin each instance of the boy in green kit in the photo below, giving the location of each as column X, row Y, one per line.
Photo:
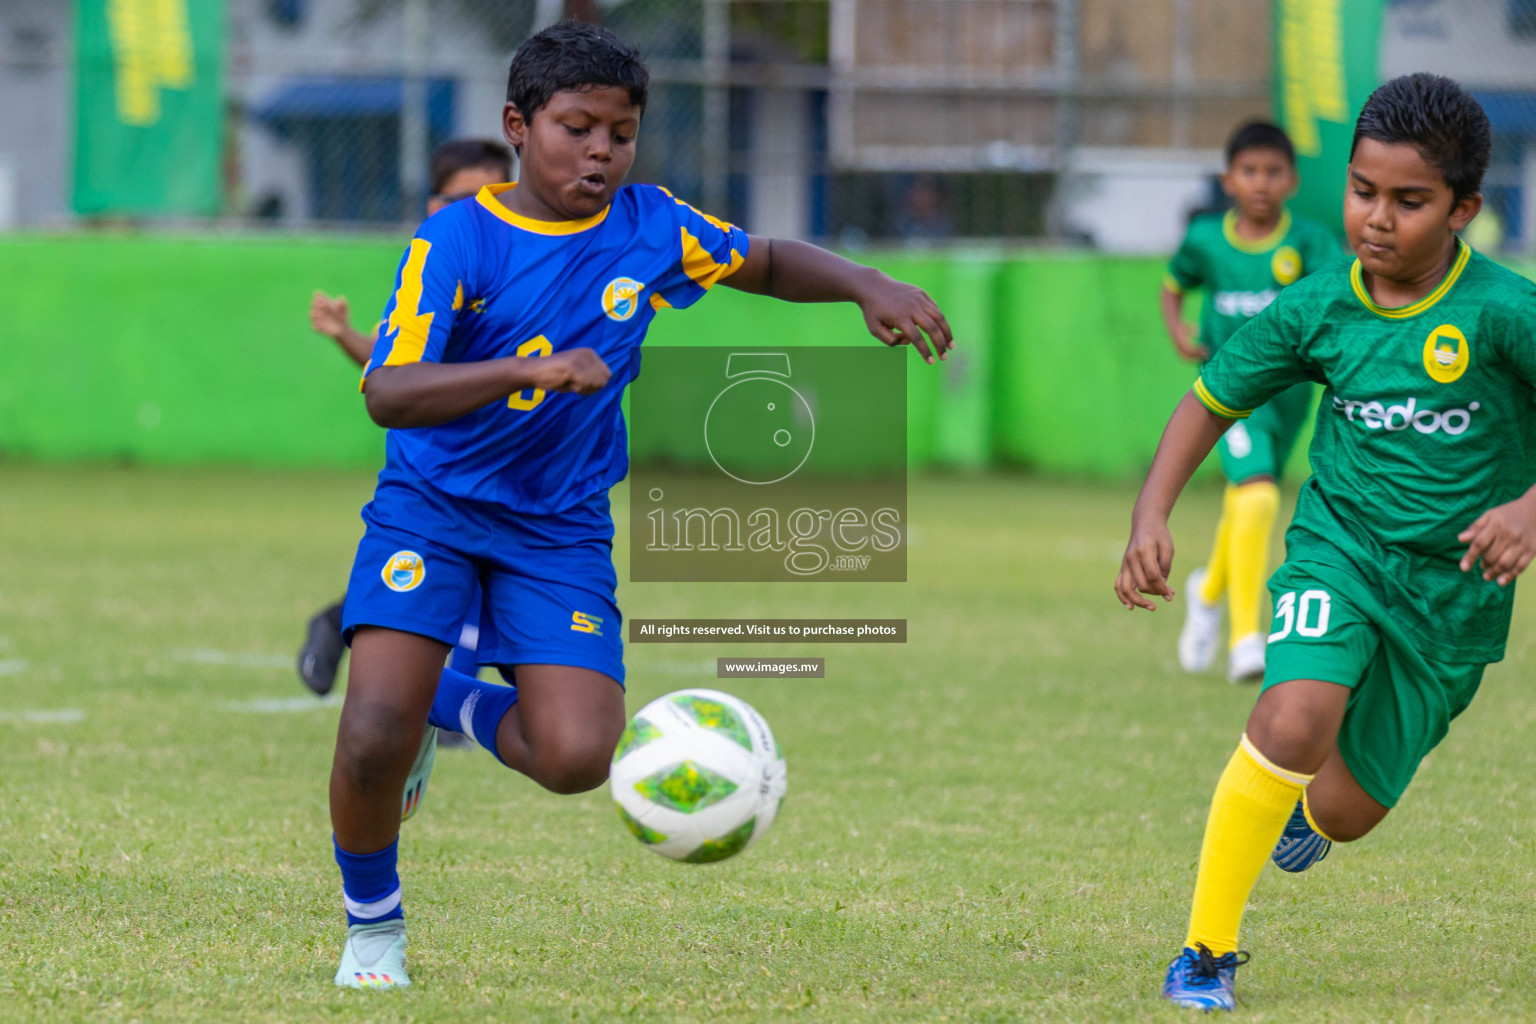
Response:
column 1397, row 586
column 1241, row 259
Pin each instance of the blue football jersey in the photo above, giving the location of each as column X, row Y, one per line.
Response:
column 481, row 282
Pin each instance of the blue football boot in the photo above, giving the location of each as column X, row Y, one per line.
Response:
column 1201, row 981
column 1300, row 846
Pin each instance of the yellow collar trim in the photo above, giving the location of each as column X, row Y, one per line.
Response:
column 1357, row 281
column 487, row 198
column 1255, row 245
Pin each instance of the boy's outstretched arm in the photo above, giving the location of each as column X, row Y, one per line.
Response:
column 425, row 394
column 895, row 312
column 1192, row 432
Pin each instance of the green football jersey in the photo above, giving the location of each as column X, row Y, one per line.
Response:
column 1241, row 276
column 1427, row 421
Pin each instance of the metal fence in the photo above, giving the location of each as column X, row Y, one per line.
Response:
column 917, row 120
column 891, row 121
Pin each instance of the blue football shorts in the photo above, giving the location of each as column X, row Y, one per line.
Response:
column 547, row 580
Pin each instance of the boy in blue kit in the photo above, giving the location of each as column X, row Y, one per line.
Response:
column 515, row 324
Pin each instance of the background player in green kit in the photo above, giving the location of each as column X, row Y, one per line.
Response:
column 1396, row 589
column 1241, row 260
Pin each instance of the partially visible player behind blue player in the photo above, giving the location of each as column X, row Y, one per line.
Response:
column 459, row 169
column 515, row 325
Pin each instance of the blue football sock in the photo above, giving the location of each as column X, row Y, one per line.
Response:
column 475, row 708
column 370, row 885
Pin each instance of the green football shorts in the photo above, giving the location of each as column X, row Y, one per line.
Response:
column 1329, row 626
column 1261, row 444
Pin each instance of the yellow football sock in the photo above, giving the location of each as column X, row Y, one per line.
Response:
column 1253, row 801
column 1254, row 508
column 1216, row 569
column 1306, row 808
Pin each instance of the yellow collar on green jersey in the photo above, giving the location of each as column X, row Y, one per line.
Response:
column 488, row 199
column 1255, row 245
column 1357, row 281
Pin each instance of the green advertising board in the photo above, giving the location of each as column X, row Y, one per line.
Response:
column 148, row 123
column 1325, row 68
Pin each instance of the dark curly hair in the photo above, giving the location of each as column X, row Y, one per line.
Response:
column 1439, row 118
column 1260, row 135
column 574, row 56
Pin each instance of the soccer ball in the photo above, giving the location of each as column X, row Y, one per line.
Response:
column 698, row 776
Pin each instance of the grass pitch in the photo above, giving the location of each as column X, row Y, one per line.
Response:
column 997, row 821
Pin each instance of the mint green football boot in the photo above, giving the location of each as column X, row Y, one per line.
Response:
column 374, row 956
column 421, row 770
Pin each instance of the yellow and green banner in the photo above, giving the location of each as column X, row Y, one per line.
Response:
column 148, row 124
column 1325, row 68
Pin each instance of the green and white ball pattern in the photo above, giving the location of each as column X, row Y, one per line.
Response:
column 698, row 776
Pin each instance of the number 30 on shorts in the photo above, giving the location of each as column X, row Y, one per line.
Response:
column 1305, row 613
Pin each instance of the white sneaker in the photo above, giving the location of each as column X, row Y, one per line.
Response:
column 1202, row 627
column 1246, row 662
column 374, row 956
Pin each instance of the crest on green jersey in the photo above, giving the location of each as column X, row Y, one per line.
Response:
column 1286, row 265
column 1445, row 353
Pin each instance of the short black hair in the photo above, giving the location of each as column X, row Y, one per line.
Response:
column 462, row 154
column 574, row 56
column 1439, row 118
column 1260, row 135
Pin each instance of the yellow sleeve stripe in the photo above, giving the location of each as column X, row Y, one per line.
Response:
column 1172, row 284
column 458, row 297
column 716, row 221
column 700, row 265
column 1209, row 401
column 658, row 303
column 406, row 322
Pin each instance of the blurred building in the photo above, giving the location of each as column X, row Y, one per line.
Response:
column 36, row 117
column 1490, row 47
column 886, row 121
column 1114, row 111
column 338, row 102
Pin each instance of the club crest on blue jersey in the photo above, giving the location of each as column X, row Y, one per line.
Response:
column 621, row 298
column 404, row 571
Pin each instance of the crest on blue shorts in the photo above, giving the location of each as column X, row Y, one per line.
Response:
column 404, row 571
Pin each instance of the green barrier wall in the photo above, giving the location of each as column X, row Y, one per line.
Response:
column 199, row 351
column 183, row 351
